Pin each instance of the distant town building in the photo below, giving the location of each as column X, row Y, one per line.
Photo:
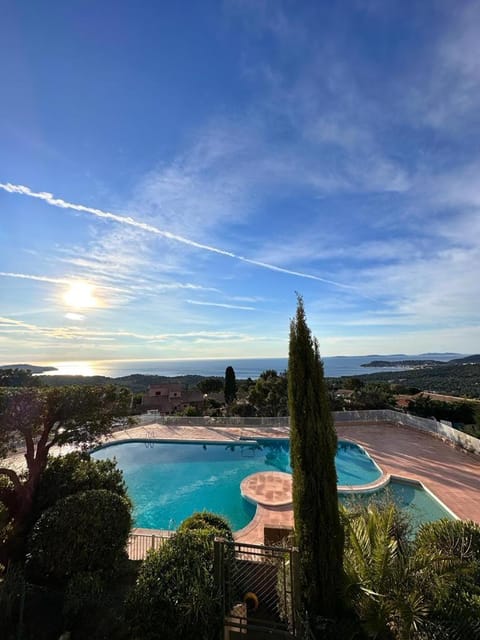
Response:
column 171, row 397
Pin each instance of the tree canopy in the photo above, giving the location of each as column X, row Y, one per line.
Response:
column 33, row 420
column 210, row 385
column 18, row 378
column 269, row 395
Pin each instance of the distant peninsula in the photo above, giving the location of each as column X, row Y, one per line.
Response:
column 29, row 367
column 420, row 364
column 400, row 364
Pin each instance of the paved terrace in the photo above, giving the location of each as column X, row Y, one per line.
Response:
column 452, row 474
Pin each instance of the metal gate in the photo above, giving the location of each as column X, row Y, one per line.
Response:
column 257, row 585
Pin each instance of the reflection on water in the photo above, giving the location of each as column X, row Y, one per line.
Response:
column 278, row 456
column 74, row 368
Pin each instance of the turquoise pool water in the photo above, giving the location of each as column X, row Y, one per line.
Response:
column 419, row 504
column 168, row 481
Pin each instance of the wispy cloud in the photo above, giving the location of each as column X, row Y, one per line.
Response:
column 50, row 280
column 27, row 276
column 148, row 228
column 9, row 325
column 221, row 305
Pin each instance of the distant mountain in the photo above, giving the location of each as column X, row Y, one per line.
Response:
column 30, row 367
column 443, row 354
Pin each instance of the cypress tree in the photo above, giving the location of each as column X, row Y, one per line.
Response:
column 230, row 385
column 318, row 530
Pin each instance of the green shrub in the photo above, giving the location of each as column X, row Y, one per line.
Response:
column 457, row 538
column 175, row 595
column 74, row 473
column 87, row 531
column 83, row 591
column 204, row 520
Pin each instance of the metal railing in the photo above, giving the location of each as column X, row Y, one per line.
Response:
column 258, row 587
column 140, row 544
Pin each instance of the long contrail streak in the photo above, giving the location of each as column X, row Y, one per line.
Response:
column 149, row 228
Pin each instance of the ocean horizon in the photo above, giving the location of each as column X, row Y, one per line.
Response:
column 335, row 366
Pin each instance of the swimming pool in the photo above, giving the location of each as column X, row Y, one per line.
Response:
column 418, row 503
column 169, row 481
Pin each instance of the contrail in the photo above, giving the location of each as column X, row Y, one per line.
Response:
column 128, row 220
column 222, row 305
column 66, row 281
column 27, row 276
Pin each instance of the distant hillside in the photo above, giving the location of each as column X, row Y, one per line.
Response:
column 402, row 363
column 409, row 362
column 467, row 360
column 136, row 382
column 459, row 379
column 28, row 367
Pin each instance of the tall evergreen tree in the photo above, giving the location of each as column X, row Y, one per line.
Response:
column 318, row 528
column 230, row 385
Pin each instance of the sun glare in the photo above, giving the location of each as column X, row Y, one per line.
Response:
column 76, row 368
column 80, row 295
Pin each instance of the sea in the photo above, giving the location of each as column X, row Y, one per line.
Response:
column 334, row 366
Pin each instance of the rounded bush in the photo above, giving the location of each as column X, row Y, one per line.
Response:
column 175, row 595
column 205, row 520
column 85, row 532
column 73, row 473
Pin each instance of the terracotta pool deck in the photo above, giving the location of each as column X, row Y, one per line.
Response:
column 450, row 473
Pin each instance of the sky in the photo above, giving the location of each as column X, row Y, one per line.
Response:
column 171, row 174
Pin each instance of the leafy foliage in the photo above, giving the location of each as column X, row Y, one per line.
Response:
column 456, row 604
column 84, row 532
column 210, row 521
column 318, row 529
column 34, row 420
column 404, row 589
column 94, row 608
column 190, row 411
column 65, row 415
column 175, row 595
column 210, row 385
column 454, row 411
column 269, row 395
column 377, row 575
column 18, row 378
column 73, row 473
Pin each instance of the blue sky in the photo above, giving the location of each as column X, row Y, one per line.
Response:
column 172, row 173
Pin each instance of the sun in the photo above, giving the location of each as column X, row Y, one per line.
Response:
column 80, row 295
